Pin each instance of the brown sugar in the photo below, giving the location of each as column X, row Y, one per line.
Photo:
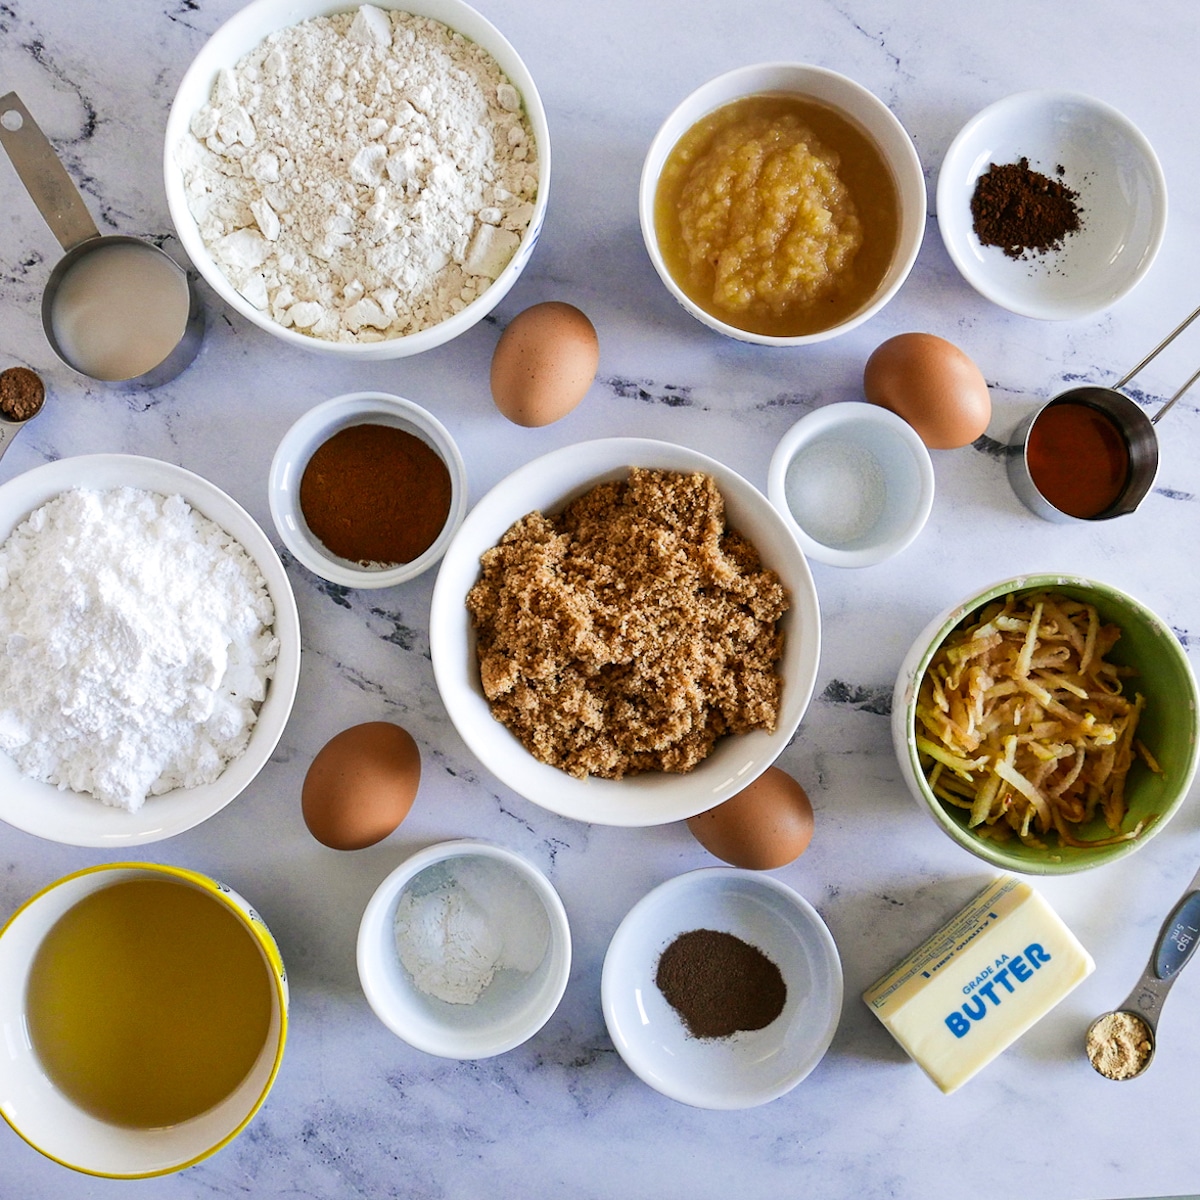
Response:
column 631, row 631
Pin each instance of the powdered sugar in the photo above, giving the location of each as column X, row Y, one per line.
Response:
column 361, row 176
column 136, row 641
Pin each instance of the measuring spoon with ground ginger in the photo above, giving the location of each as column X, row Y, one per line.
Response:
column 1173, row 949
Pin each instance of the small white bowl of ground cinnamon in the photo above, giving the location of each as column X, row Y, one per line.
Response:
column 366, row 490
column 1051, row 204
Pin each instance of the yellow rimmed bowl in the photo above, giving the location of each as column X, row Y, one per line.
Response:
column 60, row 1128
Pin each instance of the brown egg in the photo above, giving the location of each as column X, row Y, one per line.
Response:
column 361, row 785
column 766, row 825
column 933, row 385
column 544, row 363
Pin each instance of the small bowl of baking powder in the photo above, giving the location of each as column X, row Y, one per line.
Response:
column 299, row 143
column 464, row 950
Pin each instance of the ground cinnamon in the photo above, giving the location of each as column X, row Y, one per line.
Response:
column 720, row 984
column 376, row 495
column 1023, row 211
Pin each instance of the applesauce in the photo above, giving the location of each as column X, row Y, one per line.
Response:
column 777, row 215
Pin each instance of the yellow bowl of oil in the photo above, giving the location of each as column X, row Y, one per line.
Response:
column 144, row 1008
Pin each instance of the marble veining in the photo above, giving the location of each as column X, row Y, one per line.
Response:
column 355, row 1112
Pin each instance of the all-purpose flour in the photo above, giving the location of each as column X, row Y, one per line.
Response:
column 136, row 641
column 361, row 176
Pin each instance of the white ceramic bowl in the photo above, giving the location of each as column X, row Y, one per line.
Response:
column 1122, row 197
column 81, row 820
column 750, row 1067
column 53, row 1124
column 653, row 798
column 835, row 91
column 514, row 1006
column 854, row 482
column 316, row 427
column 1169, row 725
column 244, row 31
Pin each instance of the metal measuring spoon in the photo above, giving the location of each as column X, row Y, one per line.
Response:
column 88, row 254
column 1128, row 420
column 1176, row 941
column 22, row 397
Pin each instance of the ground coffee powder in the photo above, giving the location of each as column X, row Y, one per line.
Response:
column 1023, row 211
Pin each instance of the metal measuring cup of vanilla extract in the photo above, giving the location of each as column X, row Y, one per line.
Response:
column 1091, row 453
column 1131, row 1030
column 116, row 309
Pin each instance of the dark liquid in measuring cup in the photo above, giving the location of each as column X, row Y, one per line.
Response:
column 1077, row 458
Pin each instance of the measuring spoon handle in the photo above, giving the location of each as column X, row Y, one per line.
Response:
column 45, row 178
column 1173, row 949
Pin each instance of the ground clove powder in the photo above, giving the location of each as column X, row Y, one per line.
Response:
column 1023, row 211
column 719, row 984
column 21, row 393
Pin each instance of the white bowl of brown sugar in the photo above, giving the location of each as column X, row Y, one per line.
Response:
column 1051, row 204
column 637, row 702
column 367, row 489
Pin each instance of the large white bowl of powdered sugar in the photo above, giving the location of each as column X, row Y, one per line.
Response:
column 369, row 181
column 149, row 650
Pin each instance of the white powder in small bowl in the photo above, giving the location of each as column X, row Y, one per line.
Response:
column 459, row 923
column 136, row 642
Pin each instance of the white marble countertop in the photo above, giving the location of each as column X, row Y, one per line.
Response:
column 355, row 1112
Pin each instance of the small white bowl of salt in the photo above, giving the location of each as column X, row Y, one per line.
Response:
column 464, row 950
column 853, row 482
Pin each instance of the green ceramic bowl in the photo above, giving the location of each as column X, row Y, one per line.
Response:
column 1168, row 726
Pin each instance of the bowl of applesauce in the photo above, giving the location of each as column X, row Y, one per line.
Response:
column 782, row 204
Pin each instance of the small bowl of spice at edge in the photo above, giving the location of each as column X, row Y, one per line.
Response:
column 854, row 483
column 722, row 988
column 22, row 395
column 1051, row 204
column 367, row 489
column 464, row 950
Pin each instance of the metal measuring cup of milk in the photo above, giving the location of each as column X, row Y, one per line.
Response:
column 1090, row 453
column 116, row 309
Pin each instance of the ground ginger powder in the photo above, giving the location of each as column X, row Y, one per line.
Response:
column 631, row 631
column 1119, row 1045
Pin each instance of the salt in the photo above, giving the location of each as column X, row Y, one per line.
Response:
column 836, row 491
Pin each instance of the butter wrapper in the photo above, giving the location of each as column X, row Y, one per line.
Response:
column 991, row 972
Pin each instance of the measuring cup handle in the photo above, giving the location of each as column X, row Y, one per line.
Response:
column 45, row 178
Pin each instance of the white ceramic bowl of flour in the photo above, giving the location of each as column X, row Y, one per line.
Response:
column 79, row 819
column 464, row 950
column 245, row 31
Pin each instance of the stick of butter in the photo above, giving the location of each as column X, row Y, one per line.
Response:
column 981, row 981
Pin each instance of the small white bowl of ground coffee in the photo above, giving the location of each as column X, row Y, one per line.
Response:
column 367, row 490
column 1051, row 204
column 722, row 988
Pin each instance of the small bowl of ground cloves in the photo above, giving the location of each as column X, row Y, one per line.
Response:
column 1051, row 204
column 722, row 988
column 367, row 490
